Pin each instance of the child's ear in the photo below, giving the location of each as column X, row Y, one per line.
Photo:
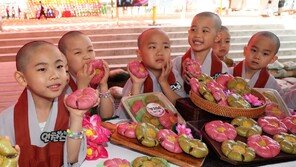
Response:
column 20, row 78
column 273, row 59
column 245, row 50
column 139, row 54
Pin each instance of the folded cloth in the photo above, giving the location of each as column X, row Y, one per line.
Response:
column 275, row 66
column 289, row 65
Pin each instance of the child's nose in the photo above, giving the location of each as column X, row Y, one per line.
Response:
column 54, row 74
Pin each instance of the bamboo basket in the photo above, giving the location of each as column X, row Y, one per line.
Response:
column 227, row 111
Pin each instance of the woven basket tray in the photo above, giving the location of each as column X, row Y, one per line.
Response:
column 226, row 111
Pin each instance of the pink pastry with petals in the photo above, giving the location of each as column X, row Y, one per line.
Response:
column 220, row 131
column 98, row 66
column 290, row 122
column 194, row 85
column 82, row 98
column 169, row 140
column 264, row 146
column 127, row 129
column 116, row 162
column 168, row 119
column 272, row 125
column 222, row 79
column 138, row 69
column 136, row 106
column 193, row 67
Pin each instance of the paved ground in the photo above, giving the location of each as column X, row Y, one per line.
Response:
column 236, row 18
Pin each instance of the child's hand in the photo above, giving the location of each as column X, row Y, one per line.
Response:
column 76, row 112
column 84, row 76
column 104, row 80
column 165, row 72
column 134, row 79
column 186, row 75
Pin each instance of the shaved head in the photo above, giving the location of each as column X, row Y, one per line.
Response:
column 269, row 35
column 211, row 15
column 146, row 33
column 24, row 54
column 62, row 42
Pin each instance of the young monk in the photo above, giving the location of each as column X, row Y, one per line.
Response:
column 154, row 51
column 39, row 121
column 260, row 51
column 79, row 51
column 202, row 35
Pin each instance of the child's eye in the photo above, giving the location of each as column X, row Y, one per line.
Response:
column 205, row 31
column 151, row 47
column 253, row 50
column 167, row 46
column 193, row 29
column 76, row 53
column 60, row 66
column 228, row 41
column 90, row 50
column 41, row 69
column 266, row 54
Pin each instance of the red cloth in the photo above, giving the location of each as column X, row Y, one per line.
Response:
column 50, row 155
column 148, row 84
column 72, row 84
column 262, row 79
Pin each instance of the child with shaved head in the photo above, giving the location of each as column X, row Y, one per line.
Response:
column 260, row 51
column 202, row 35
column 79, row 51
column 154, row 51
column 38, row 122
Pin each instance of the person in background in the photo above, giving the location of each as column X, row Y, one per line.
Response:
column 41, row 11
column 221, row 47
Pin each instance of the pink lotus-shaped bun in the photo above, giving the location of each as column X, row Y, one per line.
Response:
column 127, row 129
column 136, row 106
column 116, row 162
column 98, row 66
column 220, row 131
column 290, row 122
column 169, row 140
column 138, row 69
column 194, row 85
column 222, row 79
column 82, row 99
column 264, row 146
column 192, row 66
column 272, row 125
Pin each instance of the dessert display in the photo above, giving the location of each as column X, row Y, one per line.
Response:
column 238, row 85
column 193, row 66
column 237, row 151
column 290, row 123
column 146, row 161
column 153, row 108
column 168, row 119
column 272, row 109
column 146, row 134
column 116, row 162
column 246, row 126
column 98, row 67
column 8, row 154
column 220, row 131
column 272, row 125
column 193, row 147
column 169, row 140
column 264, row 146
column 236, row 100
column 287, row 142
column 226, row 96
column 127, row 129
column 138, row 69
column 82, row 99
column 223, row 80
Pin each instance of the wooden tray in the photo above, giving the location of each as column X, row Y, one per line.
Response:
column 181, row 159
column 216, row 146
